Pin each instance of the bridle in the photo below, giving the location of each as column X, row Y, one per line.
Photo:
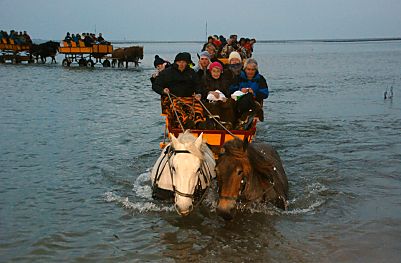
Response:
column 199, row 194
column 240, row 198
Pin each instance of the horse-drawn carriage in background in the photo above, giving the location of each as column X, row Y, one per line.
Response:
column 84, row 55
column 88, row 56
column 15, row 53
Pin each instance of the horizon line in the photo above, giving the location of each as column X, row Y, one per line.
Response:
column 120, row 41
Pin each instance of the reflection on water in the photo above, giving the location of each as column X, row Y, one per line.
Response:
column 77, row 145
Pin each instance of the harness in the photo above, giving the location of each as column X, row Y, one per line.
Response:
column 198, row 195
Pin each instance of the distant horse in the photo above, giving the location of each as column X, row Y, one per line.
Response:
column 127, row 54
column 249, row 173
column 183, row 172
column 44, row 50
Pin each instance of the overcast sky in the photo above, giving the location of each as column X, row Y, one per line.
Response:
column 149, row 20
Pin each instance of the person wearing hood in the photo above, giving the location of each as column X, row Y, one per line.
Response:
column 181, row 81
column 203, row 64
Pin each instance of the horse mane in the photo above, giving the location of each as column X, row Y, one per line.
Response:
column 188, row 140
column 252, row 159
column 262, row 165
column 235, row 149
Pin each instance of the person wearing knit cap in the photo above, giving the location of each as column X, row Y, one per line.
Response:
column 218, row 99
column 160, row 64
column 203, row 63
column 234, row 58
column 204, row 54
column 214, row 65
column 158, row 61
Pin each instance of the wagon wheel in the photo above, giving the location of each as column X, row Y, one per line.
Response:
column 82, row 62
column 15, row 60
column 106, row 63
column 90, row 63
column 66, row 63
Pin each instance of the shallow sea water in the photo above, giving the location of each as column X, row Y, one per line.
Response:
column 77, row 144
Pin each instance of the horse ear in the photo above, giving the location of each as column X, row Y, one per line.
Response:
column 245, row 144
column 174, row 140
column 199, row 141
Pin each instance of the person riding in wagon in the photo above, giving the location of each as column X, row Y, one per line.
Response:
column 181, row 84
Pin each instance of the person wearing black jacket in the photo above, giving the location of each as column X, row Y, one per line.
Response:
column 181, row 81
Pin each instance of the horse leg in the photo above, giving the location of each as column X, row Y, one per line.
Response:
column 126, row 64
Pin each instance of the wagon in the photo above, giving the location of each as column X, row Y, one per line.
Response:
column 85, row 56
column 214, row 138
column 15, row 53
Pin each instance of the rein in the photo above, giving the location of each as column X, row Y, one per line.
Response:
column 204, row 107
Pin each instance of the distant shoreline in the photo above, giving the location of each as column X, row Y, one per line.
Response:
column 258, row 41
column 270, row 41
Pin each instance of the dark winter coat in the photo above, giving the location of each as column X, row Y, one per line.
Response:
column 181, row 84
column 211, row 84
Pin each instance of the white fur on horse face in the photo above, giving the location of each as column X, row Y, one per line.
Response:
column 186, row 170
column 185, row 178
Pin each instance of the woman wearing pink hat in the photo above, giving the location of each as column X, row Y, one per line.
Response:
column 218, row 99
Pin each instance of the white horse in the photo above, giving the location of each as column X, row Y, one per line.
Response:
column 183, row 171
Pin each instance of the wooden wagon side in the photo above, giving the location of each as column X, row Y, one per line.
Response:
column 15, row 53
column 214, row 138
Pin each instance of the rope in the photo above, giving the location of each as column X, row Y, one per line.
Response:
column 204, row 107
column 175, row 112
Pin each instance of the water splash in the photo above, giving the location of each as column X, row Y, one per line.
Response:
column 142, row 186
column 140, row 206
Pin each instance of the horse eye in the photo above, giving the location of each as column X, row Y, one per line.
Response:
column 199, row 170
column 173, row 168
column 240, row 173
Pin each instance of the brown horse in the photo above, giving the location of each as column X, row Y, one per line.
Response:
column 127, row 54
column 249, row 173
column 44, row 50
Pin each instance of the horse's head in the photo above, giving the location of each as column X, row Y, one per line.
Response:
column 186, row 160
column 233, row 170
column 141, row 52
